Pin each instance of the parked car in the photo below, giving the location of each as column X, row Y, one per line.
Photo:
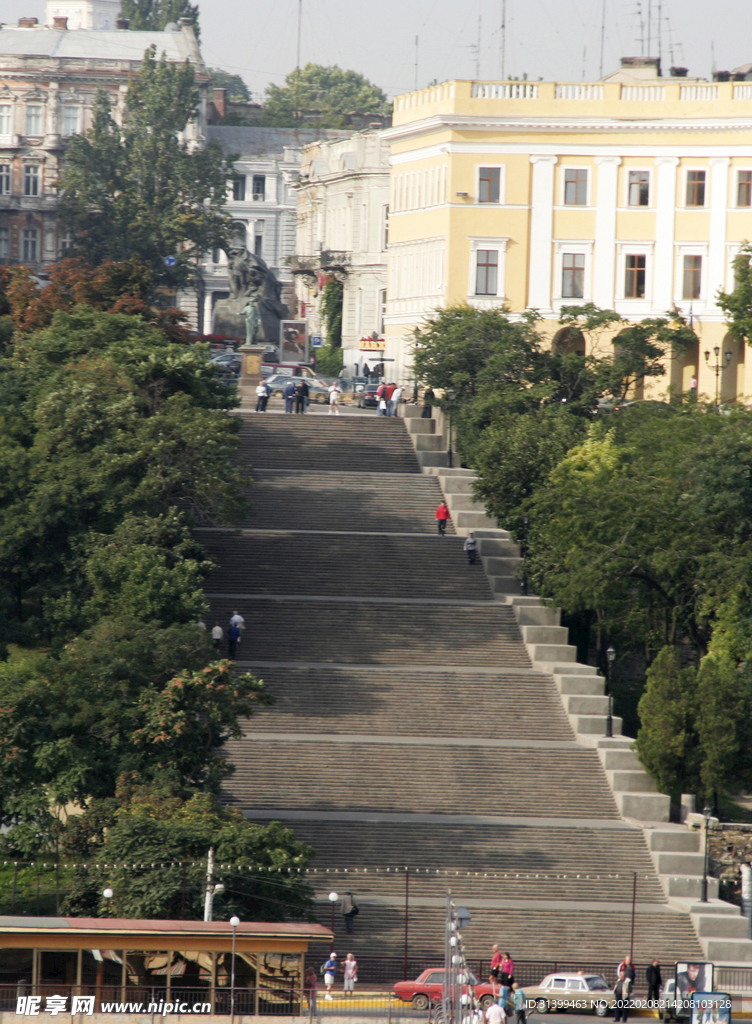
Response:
column 572, row 990
column 669, row 1008
column 427, row 988
column 367, row 397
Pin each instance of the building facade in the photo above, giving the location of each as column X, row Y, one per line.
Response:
column 49, row 77
column 634, row 193
column 342, row 229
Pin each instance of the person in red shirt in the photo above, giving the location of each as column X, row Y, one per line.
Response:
column 495, row 965
column 442, row 517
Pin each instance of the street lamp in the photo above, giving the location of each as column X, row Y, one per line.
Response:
column 707, row 813
column 234, row 922
column 610, row 659
column 717, row 367
column 450, row 395
column 333, row 897
column 108, row 894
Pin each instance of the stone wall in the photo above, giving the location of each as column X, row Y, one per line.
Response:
column 728, row 847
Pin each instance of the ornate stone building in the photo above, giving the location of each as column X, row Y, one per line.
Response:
column 49, row 77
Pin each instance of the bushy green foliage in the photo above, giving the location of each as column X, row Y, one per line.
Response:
column 321, row 97
column 330, row 308
column 137, row 189
column 153, row 15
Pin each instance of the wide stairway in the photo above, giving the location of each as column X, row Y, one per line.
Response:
column 412, row 744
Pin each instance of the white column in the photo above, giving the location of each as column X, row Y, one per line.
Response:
column 604, row 268
column 665, row 207
column 541, row 232
column 716, row 278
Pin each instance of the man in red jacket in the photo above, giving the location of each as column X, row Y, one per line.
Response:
column 442, row 517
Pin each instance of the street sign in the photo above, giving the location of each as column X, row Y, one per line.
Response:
column 170, row 261
column 317, row 341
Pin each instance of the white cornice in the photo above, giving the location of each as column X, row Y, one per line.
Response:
column 655, row 151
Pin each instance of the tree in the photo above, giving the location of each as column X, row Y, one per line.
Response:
column 321, row 97
column 667, row 738
column 724, row 727
column 153, row 15
column 138, row 190
column 237, row 90
column 737, row 305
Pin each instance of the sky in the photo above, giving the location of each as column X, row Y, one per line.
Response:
column 557, row 40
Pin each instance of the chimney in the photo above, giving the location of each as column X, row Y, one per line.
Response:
column 185, row 22
column 721, row 76
column 679, row 72
column 60, row 23
column 219, row 99
column 123, row 24
column 27, row 22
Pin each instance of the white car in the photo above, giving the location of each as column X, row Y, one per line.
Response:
column 571, row 991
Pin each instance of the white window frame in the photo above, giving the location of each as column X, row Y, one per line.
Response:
column 502, row 169
column 478, row 243
column 624, row 249
column 36, row 106
column 563, row 186
column 27, row 167
column 9, row 122
column 34, row 239
column 67, row 108
column 732, row 251
column 683, row 249
column 651, row 182
column 578, row 247
column 4, row 243
column 735, row 187
column 685, row 178
column 7, row 191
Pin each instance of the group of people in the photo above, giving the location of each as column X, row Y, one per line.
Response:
column 509, row 994
column 237, row 624
column 388, row 397
column 296, row 395
column 349, row 969
column 470, row 547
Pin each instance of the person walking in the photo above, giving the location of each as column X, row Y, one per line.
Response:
column 301, row 397
column 330, row 971
column 621, row 991
column 655, row 981
column 217, row 636
column 395, row 400
column 289, row 394
column 495, row 970
column 334, row 393
column 495, row 1014
column 262, row 397
column 471, row 548
column 311, row 989
column 442, row 518
column 382, row 404
column 237, row 620
column 506, row 970
column 518, row 1001
column 233, row 639
column 428, row 399
column 349, row 910
column 350, row 967
column 388, row 392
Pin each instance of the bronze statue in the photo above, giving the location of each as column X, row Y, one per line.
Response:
column 252, row 281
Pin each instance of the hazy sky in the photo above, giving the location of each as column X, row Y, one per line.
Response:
column 552, row 39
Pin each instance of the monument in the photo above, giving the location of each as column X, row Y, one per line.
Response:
column 254, row 310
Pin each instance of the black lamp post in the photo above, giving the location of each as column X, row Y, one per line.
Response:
column 450, row 395
column 611, row 658
column 234, row 922
column 717, row 367
column 707, row 813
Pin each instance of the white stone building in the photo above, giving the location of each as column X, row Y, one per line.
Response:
column 343, row 219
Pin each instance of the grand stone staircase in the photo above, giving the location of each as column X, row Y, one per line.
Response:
column 415, row 727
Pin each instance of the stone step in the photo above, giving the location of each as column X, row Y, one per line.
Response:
column 621, row 759
column 456, row 485
column 427, row 443
column 674, row 840
column 472, row 520
column 544, row 634
column 507, row 565
column 417, row 426
column 721, row 926
column 625, row 781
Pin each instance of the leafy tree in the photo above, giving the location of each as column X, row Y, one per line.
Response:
column 332, row 296
column 237, row 90
column 321, row 97
column 153, row 15
column 667, row 739
column 737, row 305
column 724, row 727
column 137, row 189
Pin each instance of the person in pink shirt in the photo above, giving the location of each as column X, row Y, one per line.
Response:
column 507, row 970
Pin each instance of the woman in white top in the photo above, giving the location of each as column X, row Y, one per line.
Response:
column 334, row 393
column 350, row 967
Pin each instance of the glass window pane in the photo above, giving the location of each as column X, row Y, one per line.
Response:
column 692, row 277
column 695, row 188
column 33, row 120
column 238, row 188
column 259, row 186
column 744, row 189
column 639, row 188
column 634, row 287
column 4, row 254
column 489, row 185
column 4, row 179
column 575, row 187
column 486, row 276
column 70, row 120
column 6, row 118
column 573, row 275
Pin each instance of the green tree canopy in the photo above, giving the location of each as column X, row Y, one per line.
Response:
column 237, row 90
column 139, row 189
column 154, row 15
column 321, row 97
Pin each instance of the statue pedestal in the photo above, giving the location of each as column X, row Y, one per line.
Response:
column 250, row 374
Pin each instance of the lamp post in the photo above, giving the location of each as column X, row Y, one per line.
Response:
column 234, row 922
column 717, row 367
column 450, row 395
column 333, row 897
column 610, row 659
column 456, row 974
column 707, row 813
column 108, row 894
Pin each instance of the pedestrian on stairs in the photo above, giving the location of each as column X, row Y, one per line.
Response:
column 394, row 401
column 301, row 397
column 442, row 518
column 349, row 910
column 334, row 393
column 330, row 971
column 471, row 547
column 262, row 397
column 428, row 400
column 217, row 636
column 289, row 394
column 233, row 639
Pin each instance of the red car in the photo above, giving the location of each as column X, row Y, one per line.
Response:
column 427, row 987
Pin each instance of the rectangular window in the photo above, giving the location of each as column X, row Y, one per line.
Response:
column 70, row 121
column 4, row 179
column 31, row 179
column 4, row 243
column 30, row 245
column 489, row 185
column 572, row 275
column 258, row 245
column 65, row 241
column 259, row 187
column 695, row 188
column 238, row 188
column 634, row 283
column 487, row 271
column 34, row 120
column 575, row 187
column 382, row 309
column 692, row 277
column 6, row 118
column 744, row 188
column 639, row 188
column 385, row 227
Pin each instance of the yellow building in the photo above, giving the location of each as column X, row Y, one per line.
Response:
column 634, row 193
